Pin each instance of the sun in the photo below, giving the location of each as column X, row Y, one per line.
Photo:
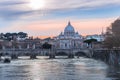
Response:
column 37, row 4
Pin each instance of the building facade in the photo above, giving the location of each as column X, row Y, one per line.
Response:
column 69, row 39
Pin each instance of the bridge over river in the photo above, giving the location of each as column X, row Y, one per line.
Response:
column 111, row 57
column 43, row 52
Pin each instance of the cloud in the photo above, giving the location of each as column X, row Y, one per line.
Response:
column 17, row 9
column 13, row 2
column 81, row 3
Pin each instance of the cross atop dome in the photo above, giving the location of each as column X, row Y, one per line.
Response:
column 69, row 23
column 69, row 30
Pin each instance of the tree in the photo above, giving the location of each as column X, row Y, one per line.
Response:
column 22, row 35
column 1, row 35
column 113, row 35
column 8, row 36
column 11, row 36
column 90, row 41
column 46, row 46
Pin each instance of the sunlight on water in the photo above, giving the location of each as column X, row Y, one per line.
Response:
column 54, row 69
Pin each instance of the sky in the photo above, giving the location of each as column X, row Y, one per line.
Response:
column 45, row 18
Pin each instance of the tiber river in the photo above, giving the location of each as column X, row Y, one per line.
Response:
column 57, row 69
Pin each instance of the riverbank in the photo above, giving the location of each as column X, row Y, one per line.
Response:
column 110, row 57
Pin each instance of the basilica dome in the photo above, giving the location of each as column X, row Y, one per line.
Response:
column 69, row 28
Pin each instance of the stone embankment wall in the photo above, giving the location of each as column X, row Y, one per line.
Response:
column 111, row 57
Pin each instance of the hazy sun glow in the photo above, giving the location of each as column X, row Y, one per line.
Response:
column 37, row 4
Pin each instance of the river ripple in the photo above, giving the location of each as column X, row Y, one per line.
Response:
column 57, row 69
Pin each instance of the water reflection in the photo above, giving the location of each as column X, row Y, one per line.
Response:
column 114, row 73
column 57, row 69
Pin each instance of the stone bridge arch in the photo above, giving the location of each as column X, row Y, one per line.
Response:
column 61, row 53
column 83, row 52
column 80, row 53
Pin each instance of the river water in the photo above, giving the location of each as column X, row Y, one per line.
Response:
column 57, row 69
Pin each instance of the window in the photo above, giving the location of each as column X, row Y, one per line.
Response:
column 65, row 44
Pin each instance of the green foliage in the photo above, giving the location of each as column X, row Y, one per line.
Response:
column 22, row 34
column 46, row 46
column 11, row 36
column 89, row 41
